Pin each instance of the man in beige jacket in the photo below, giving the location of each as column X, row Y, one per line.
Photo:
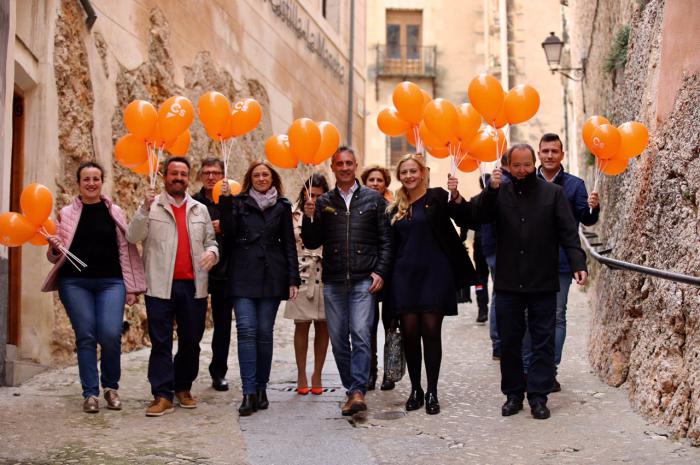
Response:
column 179, row 249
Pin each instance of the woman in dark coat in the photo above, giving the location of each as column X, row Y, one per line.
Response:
column 429, row 265
column 262, row 272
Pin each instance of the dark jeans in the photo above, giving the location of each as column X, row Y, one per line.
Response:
column 386, row 318
column 189, row 313
column 221, row 310
column 511, row 320
column 493, row 329
column 96, row 310
column 255, row 321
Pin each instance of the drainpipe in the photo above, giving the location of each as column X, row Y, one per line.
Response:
column 487, row 46
column 503, row 29
column 351, row 71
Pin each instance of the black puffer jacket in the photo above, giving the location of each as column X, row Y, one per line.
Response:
column 355, row 243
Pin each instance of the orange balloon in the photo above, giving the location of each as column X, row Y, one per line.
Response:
column 487, row 96
column 145, row 167
column 181, row 144
column 430, row 139
column 441, row 118
column 606, row 142
column 130, row 151
column 408, row 100
column 391, row 124
column 501, row 119
column 158, row 139
column 304, row 139
column 634, row 138
column 438, row 152
column 468, row 123
column 411, row 137
column 15, row 229
column 521, row 103
column 488, row 145
column 140, row 118
column 234, row 188
column 174, row 116
column 330, row 140
column 426, row 97
column 38, row 238
column 36, row 202
column 214, row 111
column 468, row 164
column 245, row 117
column 278, row 152
column 613, row 167
column 588, row 128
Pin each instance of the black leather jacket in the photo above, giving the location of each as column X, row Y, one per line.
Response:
column 355, row 243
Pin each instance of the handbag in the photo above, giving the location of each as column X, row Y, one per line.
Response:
column 394, row 357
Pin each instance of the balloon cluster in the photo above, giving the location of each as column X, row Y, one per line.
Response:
column 306, row 142
column 445, row 129
column 613, row 146
column 33, row 224
column 151, row 132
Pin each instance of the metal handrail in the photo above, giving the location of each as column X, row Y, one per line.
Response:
column 622, row 265
column 406, row 60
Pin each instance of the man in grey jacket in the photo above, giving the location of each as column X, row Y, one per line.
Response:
column 179, row 249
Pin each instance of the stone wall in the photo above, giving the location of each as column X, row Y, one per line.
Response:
column 645, row 332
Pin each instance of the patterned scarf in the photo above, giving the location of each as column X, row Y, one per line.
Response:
column 264, row 200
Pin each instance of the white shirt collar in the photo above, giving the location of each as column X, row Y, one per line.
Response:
column 553, row 177
column 172, row 201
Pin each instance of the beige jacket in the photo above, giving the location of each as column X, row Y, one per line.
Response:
column 158, row 232
column 308, row 305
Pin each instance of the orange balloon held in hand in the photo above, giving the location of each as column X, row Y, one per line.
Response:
column 408, row 100
column 521, row 103
column 304, row 139
column 488, row 145
column 589, row 126
column 468, row 164
column 426, row 97
column 140, row 118
column 438, row 152
column 174, row 116
column 144, row 167
column 500, row 120
column 233, row 186
column 606, row 141
column 38, row 238
column 245, row 117
column 15, row 229
column 214, row 112
column 330, row 140
column 130, row 151
column 487, row 96
column 429, row 138
column 612, row 167
column 36, row 202
column 440, row 117
column 391, row 124
column 278, row 152
column 634, row 138
column 468, row 123
column 181, row 144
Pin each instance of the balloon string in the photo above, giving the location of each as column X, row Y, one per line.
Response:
column 70, row 256
column 149, row 151
column 301, row 171
column 223, row 158
column 419, row 141
column 596, row 176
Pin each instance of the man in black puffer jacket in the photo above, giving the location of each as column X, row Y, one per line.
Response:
column 351, row 224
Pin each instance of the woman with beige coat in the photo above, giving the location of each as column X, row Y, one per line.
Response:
column 308, row 306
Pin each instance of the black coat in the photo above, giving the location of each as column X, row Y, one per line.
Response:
column 355, row 243
column 440, row 213
column 218, row 274
column 262, row 250
column 533, row 218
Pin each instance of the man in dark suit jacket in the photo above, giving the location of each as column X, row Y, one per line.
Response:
column 533, row 220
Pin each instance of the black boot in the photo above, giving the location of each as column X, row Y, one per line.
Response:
column 372, row 380
column 415, row 400
column 387, row 385
column 249, row 405
column 262, row 401
column 483, row 314
column 432, row 406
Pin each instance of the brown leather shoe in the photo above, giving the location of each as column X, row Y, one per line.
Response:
column 91, row 405
column 159, row 407
column 186, row 400
column 356, row 403
column 112, row 398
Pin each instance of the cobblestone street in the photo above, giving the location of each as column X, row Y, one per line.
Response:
column 41, row 422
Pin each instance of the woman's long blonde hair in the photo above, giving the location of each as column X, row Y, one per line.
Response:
column 401, row 202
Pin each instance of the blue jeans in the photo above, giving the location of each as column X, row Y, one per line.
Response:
column 560, row 325
column 255, row 321
column 96, row 311
column 493, row 328
column 349, row 315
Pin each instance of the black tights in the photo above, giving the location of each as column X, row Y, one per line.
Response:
column 427, row 326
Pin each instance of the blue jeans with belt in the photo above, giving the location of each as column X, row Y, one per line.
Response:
column 95, row 307
column 350, row 315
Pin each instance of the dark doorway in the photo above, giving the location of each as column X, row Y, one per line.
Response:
column 14, row 300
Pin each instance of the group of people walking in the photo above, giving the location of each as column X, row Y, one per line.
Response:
column 333, row 255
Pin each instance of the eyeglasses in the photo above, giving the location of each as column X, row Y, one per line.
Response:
column 212, row 174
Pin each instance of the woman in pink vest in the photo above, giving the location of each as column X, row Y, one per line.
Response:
column 93, row 228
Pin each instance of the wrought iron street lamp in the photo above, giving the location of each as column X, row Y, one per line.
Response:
column 553, row 47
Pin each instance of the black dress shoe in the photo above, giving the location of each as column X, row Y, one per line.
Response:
column 372, row 381
column 432, row 406
column 512, row 406
column 539, row 410
column 220, row 384
column 415, row 400
column 556, row 387
column 387, row 385
column 249, row 405
column 482, row 317
column 262, row 401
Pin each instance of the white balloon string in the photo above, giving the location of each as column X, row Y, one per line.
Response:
column 70, row 256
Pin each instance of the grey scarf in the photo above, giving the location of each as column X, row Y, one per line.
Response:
column 266, row 200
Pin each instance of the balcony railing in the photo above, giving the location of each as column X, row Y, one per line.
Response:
column 406, row 61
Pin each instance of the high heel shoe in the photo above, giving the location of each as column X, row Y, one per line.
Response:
column 303, row 390
column 432, row 406
column 317, row 391
column 415, row 400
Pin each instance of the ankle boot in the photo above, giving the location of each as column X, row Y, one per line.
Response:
column 415, row 400
column 249, row 405
column 387, row 385
column 262, row 401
